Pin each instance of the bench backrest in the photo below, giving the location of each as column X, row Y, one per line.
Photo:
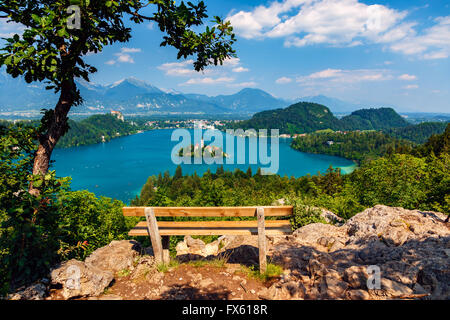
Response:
column 269, row 211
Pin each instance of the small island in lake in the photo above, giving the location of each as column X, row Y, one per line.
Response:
column 198, row 151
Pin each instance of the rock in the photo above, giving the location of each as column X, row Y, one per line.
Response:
column 286, row 291
column 392, row 289
column 80, row 279
column 335, row 288
column 358, row 295
column 182, row 248
column 418, row 289
column 205, row 282
column 330, row 217
column 110, row 297
column 356, row 277
column 37, row 291
column 194, row 244
column 211, row 249
column 146, row 269
column 410, row 247
column 116, row 256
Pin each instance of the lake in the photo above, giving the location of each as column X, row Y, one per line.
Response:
column 120, row 167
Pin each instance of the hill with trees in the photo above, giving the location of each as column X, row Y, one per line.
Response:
column 95, row 129
column 355, row 145
column 302, row 117
column 418, row 133
column 437, row 145
column 307, row 117
column 373, row 119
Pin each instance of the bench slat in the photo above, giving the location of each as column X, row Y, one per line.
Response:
column 273, row 211
column 173, row 228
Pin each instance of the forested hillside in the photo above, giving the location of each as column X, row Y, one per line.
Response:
column 355, row 145
column 418, row 133
column 437, row 145
column 302, row 117
column 307, row 117
column 373, row 119
column 92, row 129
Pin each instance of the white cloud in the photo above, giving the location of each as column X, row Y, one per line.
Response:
column 240, row 69
column 124, row 56
column 243, row 84
column 208, row 81
column 433, row 43
column 344, row 76
column 343, row 23
column 407, row 77
column 179, row 69
column 231, row 62
column 130, row 50
column 283, row 80
column 304, row 22
column 411, row 86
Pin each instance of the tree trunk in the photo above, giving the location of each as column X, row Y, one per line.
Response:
column 56, row 128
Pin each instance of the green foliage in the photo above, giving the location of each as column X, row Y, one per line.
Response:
column 419, row 133
column 373, row 119
column 304, row 214
column 48, row 50
column 359, row 146
column 92, row 129
column 90, row 220
column 404, row 181
column 27, row 224
column 38, row 231
column 298, row 118
column 437, row 145
column 307, row 117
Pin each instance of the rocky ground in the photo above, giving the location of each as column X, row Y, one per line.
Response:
column 409, row 250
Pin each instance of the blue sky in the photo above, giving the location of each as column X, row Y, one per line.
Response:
column 371, row 52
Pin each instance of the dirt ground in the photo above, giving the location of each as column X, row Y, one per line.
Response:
column 184, row 282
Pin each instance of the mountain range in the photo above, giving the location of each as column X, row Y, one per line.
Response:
column 134, row 96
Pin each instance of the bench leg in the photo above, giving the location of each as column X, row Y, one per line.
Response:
column 261, row 241
column 165, row 246
column 153, row 231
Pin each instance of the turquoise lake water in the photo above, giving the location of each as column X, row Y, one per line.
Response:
column 119, row 168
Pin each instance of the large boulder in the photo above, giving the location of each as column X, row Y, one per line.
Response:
column 79, row 279
column 116, row 256
column 37, row 291
column 410, row 248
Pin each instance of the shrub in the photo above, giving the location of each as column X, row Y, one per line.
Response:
column 304, row 214
column 38, row 231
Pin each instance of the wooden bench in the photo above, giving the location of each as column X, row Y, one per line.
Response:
column 157, row 229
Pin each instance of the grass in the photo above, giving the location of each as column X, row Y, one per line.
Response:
column 272, row 271
column 123, row 273
column 164, row 267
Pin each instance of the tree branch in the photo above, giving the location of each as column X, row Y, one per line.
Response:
column 136, row 14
